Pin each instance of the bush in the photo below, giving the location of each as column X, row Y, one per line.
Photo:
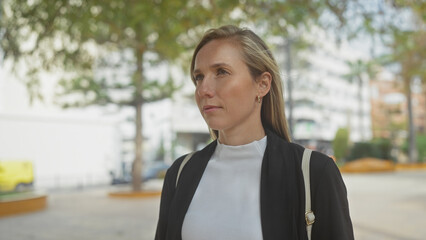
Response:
column 341, row 143
column 421, row 147
column 363, row 149
column 377, row 148
column 384, row 147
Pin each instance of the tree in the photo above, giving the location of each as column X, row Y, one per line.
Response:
column 358, row 71
column 408, row 52
column 77, row 39
column 400, row 25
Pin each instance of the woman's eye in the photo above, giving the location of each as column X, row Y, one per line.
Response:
column 198, row 77
column 221, row 71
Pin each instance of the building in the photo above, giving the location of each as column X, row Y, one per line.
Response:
column 389, row 108
column 68, row 149
column 323, row 100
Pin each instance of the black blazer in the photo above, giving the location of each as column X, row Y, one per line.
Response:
column 282, row 194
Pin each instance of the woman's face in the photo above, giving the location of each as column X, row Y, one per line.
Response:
column 225, row 90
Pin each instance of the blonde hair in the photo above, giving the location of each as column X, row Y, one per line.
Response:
column 258, row 57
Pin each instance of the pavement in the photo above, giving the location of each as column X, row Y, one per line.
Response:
column 389, row 206
column 383, row 206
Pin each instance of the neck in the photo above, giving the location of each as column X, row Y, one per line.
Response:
column 241, row 137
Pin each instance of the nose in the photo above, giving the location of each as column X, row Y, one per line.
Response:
column 205, row 88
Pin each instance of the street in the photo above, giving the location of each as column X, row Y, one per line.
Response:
column 383, row 206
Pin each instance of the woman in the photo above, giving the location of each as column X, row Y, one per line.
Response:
column 248, row 183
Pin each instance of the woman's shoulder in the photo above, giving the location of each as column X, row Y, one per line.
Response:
column 319, row 160
column 193, row 156
column 176, row 163
column 324, row 171
column 278, row 146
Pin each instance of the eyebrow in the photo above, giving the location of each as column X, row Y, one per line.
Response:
column 216, row 65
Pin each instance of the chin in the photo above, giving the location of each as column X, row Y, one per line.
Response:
column 216, row 127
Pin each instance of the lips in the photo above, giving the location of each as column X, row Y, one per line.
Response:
column 210, row 108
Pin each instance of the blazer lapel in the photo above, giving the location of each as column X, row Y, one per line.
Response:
column 279, row 194
column 188, row 182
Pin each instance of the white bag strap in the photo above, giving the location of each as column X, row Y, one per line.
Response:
column 182, row 164
column 309, row 215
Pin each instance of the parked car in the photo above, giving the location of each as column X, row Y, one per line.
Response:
column 16, row 175
column 155, row 170
column 152, row 170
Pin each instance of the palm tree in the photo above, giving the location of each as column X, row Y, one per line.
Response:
column 409, row 51
column 360, row 72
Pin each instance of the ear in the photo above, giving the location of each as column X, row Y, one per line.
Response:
column 264, row 84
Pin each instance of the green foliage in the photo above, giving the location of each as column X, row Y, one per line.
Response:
column 161, row 151
column 358, row 68
column 409, row 52
column 76, row 37
column 363, row 149
column 421, row 147
column 341, row 144
column 377, row 148
column 384, row 147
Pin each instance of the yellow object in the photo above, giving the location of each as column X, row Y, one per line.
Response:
column 368, row 165
column 15, row 175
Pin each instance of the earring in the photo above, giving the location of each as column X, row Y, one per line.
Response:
column 259, row 99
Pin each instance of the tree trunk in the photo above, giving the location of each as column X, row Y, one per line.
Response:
column 137, row 163
column 424, row 97
column 360, row 110
column 412, row 149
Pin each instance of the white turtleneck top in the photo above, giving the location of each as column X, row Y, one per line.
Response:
column 226, row 204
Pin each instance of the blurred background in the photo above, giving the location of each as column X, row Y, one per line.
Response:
column 96, row 96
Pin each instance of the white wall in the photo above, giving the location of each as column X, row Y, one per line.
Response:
column 73, row 148
column 65, row 151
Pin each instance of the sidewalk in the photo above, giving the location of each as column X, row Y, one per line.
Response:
column 386, row 206
column 389, row 206
column 86, row 215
